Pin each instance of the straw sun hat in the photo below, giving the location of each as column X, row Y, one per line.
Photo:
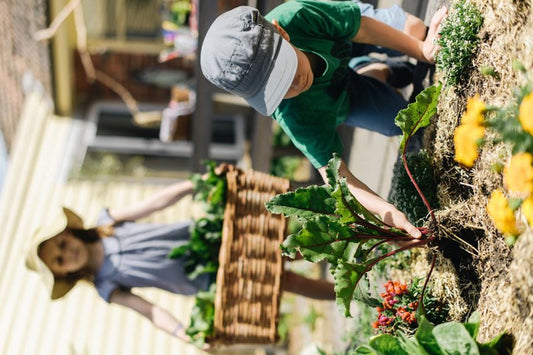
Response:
column 66, row 218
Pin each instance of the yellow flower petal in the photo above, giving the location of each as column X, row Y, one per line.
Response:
column 501, row 214
column 465, row 139
column 527, row 210
column 474, row 111
column 518, row 175
column 525, row 114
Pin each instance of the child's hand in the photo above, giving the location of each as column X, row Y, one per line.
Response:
column 393, row 217
column 430, row 46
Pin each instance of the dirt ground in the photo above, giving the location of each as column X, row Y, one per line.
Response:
column 476, row 269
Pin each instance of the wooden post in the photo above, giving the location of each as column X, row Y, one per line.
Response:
column 261, row 147
column 201, row 127
column 62, row 46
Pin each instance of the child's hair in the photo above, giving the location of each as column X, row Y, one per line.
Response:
column 94, row 234
column 88, row 236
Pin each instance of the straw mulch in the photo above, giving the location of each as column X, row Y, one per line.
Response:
column 475, row 268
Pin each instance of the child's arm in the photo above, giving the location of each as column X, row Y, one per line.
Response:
column 161, row 318
column 374, row 203
column 160, row 200
column 377, row 33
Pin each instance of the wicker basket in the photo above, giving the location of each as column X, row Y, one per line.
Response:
column 251, row 265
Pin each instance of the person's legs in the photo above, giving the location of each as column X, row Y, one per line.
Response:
column 393, row 16
column 374, row 105
column 393, row 71
column 318, row 289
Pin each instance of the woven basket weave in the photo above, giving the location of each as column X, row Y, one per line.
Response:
column 251, row 266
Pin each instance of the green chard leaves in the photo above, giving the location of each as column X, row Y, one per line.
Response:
column 336, row 228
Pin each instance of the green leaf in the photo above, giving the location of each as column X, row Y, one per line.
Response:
column 425, row 337
column 322, row 239
column 347, row 277
column 411, row 345
column 347, row 203
column 501, row 344
column 202, row 317
column 303, row 202
column 178, row 251
column 472, row 325
column 418, row 114
column 386, row 344
column 332, row 170
column 453, row 338
column 364, row 350
column 363, row 293
column 209, row 267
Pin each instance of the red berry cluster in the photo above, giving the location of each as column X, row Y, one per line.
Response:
column 399, row 306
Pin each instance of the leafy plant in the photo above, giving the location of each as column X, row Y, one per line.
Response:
column 201, row 251
column 202, row 317
column 400, row 304
column 458, row 41
column 338, row 229
column 442, row 339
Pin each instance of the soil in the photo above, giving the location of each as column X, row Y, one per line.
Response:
column 476, row 269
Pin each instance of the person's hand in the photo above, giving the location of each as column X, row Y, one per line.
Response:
column 393, row 217
column 207, row 347
column 430, row 46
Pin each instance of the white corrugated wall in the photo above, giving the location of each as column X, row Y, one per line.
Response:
column 82, row 323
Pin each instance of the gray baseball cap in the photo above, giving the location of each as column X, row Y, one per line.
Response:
column 245, row 55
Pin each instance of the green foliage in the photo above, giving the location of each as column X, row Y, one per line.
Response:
column 335, row 228
column 286, row 166
column 399, row 311
column 443, row 339
column 304, row 202
column 201, row 251
column 458, row 41
column 359, row 332
column 404, row 195
column 417, row 114
column 202, row 317
column 399, row 261
column 279, row 137
column 311, row 318
column 505, row 121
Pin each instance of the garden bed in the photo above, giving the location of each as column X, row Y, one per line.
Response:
column 481, row 255
column 495, row 278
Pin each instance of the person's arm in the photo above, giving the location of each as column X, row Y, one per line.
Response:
column 377, row 33
column 374, row 203
column 160, row 200
column 161, row 318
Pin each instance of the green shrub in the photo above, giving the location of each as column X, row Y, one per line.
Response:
column 459, row 40
column 404, row 195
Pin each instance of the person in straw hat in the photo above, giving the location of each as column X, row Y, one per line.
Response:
column 120, row 254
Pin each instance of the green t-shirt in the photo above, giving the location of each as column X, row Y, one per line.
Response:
column 324, row 28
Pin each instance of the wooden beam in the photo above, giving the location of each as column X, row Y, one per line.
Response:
column 62, row 46
column 201, row 126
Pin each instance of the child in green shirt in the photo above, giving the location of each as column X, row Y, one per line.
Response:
column 292, row 65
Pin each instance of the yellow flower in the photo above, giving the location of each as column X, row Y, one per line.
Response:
column 500, row 212
column 474, row 112
column 518, row 174
column 525, row 114
column 466, row 141
column 527, row 210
